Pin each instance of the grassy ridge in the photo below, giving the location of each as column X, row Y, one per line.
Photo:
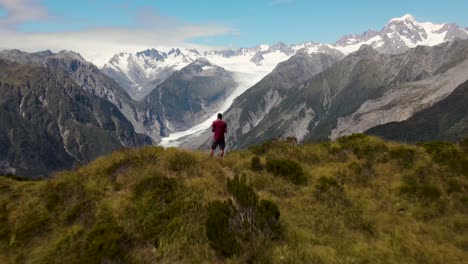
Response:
column 355, row 200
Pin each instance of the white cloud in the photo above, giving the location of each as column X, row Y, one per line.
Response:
column 99, row 44
column 21, row 11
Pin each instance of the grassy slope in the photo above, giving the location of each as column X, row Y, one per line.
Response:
column 365, row 201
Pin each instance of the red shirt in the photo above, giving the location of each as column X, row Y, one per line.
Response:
column 219, row 127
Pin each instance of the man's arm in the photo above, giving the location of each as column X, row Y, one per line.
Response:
column 213, row 127
column 225, row 128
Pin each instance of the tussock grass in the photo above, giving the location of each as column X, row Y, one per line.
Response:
column 355, row 200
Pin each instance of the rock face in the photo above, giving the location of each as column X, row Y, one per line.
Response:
column 48, row 122
column 363, row 90
column 445, row 120
column 190, row 95
column 92, row 80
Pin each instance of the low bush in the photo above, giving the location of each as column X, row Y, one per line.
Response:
column 261, row 149
column 256, row 164
column 289, row 169
column 442, row 152
column 421, row 192
column 404, row 156
column 448, row 154
column 233, row 226
column 363, row 146
column 242, row 192
column 268, row 219
column 219, row 230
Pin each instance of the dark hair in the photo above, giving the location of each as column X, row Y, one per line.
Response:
column 220, row 116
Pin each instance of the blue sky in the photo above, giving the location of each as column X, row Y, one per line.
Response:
column 239, row 23
column 254, row 21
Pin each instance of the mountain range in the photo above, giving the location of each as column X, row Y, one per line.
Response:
column 140, row 72
column 58, row 110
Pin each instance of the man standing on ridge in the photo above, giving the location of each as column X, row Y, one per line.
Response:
column 219, row 127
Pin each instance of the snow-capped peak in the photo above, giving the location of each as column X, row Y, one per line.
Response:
column 407, row 17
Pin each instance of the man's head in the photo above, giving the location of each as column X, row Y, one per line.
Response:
column 220, row 116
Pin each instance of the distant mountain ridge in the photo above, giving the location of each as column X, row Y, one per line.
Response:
column 140, row 72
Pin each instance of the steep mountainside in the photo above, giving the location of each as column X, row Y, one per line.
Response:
column 92, row 80
column 445, row 120
column 48, row 122
column 363, row 90
column 191, row 94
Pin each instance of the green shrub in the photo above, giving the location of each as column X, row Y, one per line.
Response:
column 268, row 219
column 256, row 164
column 261, row 149
column 404, row 156
column 363, row 146
column 219, row 232
column 447, row 154
column 243, row 193
column 233, row 226
column 289, row 169
column 442, row 152
column 424, row 192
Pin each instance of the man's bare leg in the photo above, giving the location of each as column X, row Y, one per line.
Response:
column 211, row 152
column 221, row 153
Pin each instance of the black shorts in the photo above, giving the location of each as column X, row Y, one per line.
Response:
column 220, row 143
